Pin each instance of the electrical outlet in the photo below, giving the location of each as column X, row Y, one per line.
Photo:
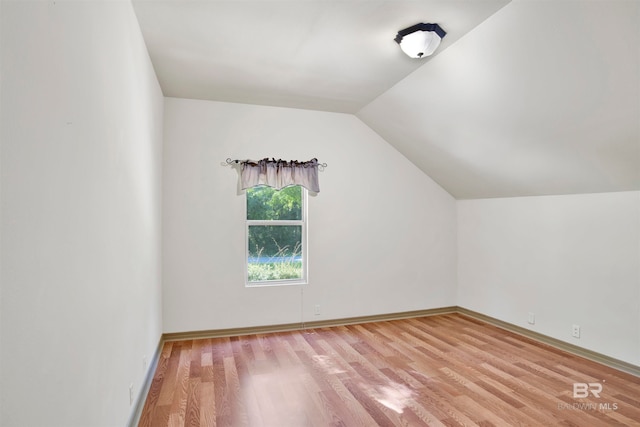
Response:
column 130, row 394
column 531, row 319
column 575, row 331
column 316, row 310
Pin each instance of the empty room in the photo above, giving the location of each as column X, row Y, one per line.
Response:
column 319, row 213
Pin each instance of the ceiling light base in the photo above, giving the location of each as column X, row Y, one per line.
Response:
column 420, row 40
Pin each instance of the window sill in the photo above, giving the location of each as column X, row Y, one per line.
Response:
column 272, row 283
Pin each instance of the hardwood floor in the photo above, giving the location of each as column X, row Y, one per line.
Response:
column 444, row 370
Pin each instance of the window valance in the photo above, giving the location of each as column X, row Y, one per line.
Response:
column 279, row 173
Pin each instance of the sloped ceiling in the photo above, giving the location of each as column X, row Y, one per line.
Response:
column 331, row 55
column 542, row 98
column 522, row 98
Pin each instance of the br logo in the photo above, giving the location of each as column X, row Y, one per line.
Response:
column 581, row 390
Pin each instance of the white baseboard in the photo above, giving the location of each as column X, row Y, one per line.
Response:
column 141, row 398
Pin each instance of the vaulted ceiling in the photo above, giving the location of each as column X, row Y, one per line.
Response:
column 522, row 98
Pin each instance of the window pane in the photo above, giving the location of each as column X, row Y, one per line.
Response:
column 275, row 252
column 265, row 203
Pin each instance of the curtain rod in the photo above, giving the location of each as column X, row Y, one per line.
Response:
column 321, row 166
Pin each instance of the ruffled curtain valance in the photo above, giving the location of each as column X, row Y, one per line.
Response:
column 280, row 173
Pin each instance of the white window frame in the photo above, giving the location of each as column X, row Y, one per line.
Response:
column 302, row 222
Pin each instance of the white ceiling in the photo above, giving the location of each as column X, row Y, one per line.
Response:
column 530, row 97
column 331, row 55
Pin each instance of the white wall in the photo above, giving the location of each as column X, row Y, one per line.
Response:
column 568, row 259
column 381, row 233
column 80, row 212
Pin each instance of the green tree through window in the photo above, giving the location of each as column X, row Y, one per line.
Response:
column 276, row 235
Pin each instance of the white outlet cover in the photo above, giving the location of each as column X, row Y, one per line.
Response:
column 575, row 331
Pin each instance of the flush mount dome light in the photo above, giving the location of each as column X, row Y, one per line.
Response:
column 420, row 40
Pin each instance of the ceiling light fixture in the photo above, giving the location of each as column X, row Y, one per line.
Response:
column 420, row 40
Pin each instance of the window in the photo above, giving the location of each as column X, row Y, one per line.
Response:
column 276, row 235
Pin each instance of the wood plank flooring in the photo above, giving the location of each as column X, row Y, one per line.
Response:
column 444, row 370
